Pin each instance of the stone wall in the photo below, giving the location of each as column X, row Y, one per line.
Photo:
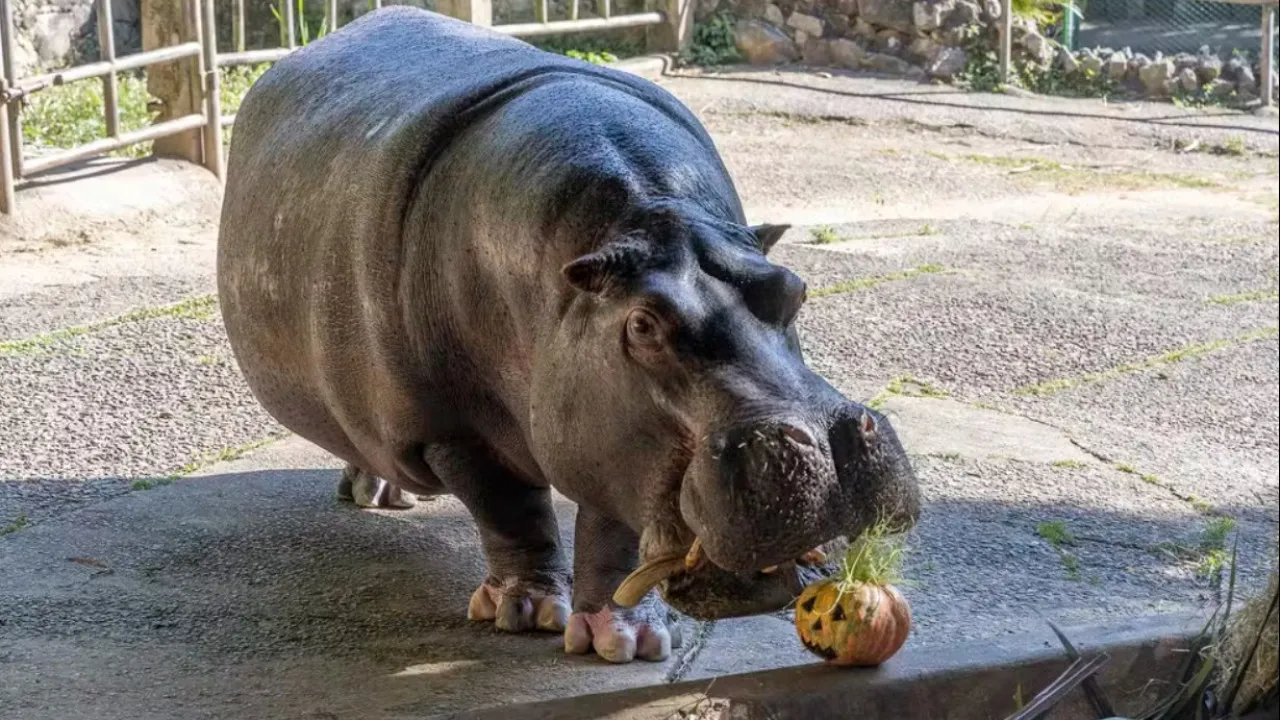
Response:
column 934, row 39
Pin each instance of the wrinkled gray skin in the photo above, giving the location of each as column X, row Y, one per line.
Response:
column 467, row 266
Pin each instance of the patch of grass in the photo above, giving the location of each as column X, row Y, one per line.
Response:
column 1244, row 297
column 1071, row 180
column 713, row 42
column 66, row 116
column 1071, row 563
column 1056, row 533
column 208, row 360
column 1069, row 464
column 949, row 456
column 823, row 235
column 1051, row 387
column 863, row 283
column 14, row 525
column 908, row 386
column 197, row 308
column 225, row 454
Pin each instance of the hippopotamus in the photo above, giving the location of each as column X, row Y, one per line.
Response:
column 463, row 265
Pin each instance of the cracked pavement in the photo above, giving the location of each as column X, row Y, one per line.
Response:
column 983, row 245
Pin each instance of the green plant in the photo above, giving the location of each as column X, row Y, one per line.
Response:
column 65, row 116
column 713, row 42
column 1055, row 533
column 14, row 525
column 592, row 56
column 823, row 235
column 304, row 27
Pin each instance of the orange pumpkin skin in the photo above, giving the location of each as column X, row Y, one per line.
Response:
column 865, row 625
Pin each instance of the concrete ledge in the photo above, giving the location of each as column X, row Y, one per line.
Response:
column 974, row 680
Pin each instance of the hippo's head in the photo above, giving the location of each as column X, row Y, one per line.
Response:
column 673, row 395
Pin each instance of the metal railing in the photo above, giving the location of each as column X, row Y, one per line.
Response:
column 203, row 51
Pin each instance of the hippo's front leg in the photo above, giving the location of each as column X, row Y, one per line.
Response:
column 605, row 551
column 528, row 583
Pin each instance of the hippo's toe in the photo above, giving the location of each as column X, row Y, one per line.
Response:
column 515, row 606
column 371, row 491
column 620, row 636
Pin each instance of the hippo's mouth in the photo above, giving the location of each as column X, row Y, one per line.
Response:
column 697, row 587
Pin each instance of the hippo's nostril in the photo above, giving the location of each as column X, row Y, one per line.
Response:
column 798, row 435
column 847, row 443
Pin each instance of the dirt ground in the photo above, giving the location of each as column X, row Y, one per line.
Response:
column 1069, row 307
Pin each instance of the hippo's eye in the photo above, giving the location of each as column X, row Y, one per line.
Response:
column 643, row 329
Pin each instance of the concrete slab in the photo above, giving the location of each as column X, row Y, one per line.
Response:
column 941, row 426
column 249, row 588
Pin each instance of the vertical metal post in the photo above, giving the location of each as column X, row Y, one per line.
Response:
column 291, row 33
column 573, row 9
column 476, row 12
column 675, row 33
column 540, row 11
column 331, row 15
column 11, row 80
column 7, row 199
column 110, row 83
column 212, row 87
column 237, row 26
column 1268, row 53
column 604, row 8
column 1006, row 38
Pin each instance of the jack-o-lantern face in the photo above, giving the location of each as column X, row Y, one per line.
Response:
column 858, row 624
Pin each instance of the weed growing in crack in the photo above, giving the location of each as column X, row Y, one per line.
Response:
column 1056, row 533
column 823, row 235
column 14, row 525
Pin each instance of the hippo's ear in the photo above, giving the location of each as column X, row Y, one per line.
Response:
column 768, row 235
column 592, row 272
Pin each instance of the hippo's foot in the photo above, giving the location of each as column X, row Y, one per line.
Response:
column 516, row 606
column 621, row 635
column 370, row 491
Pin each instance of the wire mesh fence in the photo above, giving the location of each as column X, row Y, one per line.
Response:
column 1172, row 26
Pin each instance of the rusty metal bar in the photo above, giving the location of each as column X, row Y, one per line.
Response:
column 213, row 159
column 100, row 69
column 237, row 26
column 110, row 83
column 14, row 148
column 252, row 57
column 106, row 145
column 588, row 25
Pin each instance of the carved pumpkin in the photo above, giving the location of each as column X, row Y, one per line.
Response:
column 852, row 623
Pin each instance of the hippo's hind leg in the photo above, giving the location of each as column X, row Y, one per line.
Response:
column 605, row 552
column 528, row 583
column 367, row 490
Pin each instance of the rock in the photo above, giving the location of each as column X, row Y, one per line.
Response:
column 1231, row 70
column 1092, row 65
column 773, row 15
column 894, row 14
column 1183, row 60
column 1187, row 81
column 931, row 14
column 814, row 52
column 947, row 63
column 1067, row 61
column 847, row 7
column 846, row 53
column 1136, row 64
column 806, row 24
column 1208, row 68
column 1038, row 46
column 1221, row 88
column 838, row 24
column 889, row 42
column 1245, row 80
column 1155, row 78
column 862, row 28
column 965, row 13
column 991, row 9
column 881, row 62
column 763, row 44
column 801, row 37
column 923, row 49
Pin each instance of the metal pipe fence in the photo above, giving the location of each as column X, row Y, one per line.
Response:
column 15, row 166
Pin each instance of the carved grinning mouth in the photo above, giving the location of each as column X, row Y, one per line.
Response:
column 649, row 575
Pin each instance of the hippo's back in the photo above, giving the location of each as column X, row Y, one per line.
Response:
column 329, row 150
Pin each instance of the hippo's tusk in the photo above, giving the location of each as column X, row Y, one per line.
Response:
column 645, row 578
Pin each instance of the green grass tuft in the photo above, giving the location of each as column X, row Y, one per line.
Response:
column 863, row 283
column 197, row 308
column 14, row 525
column 1055, row 533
